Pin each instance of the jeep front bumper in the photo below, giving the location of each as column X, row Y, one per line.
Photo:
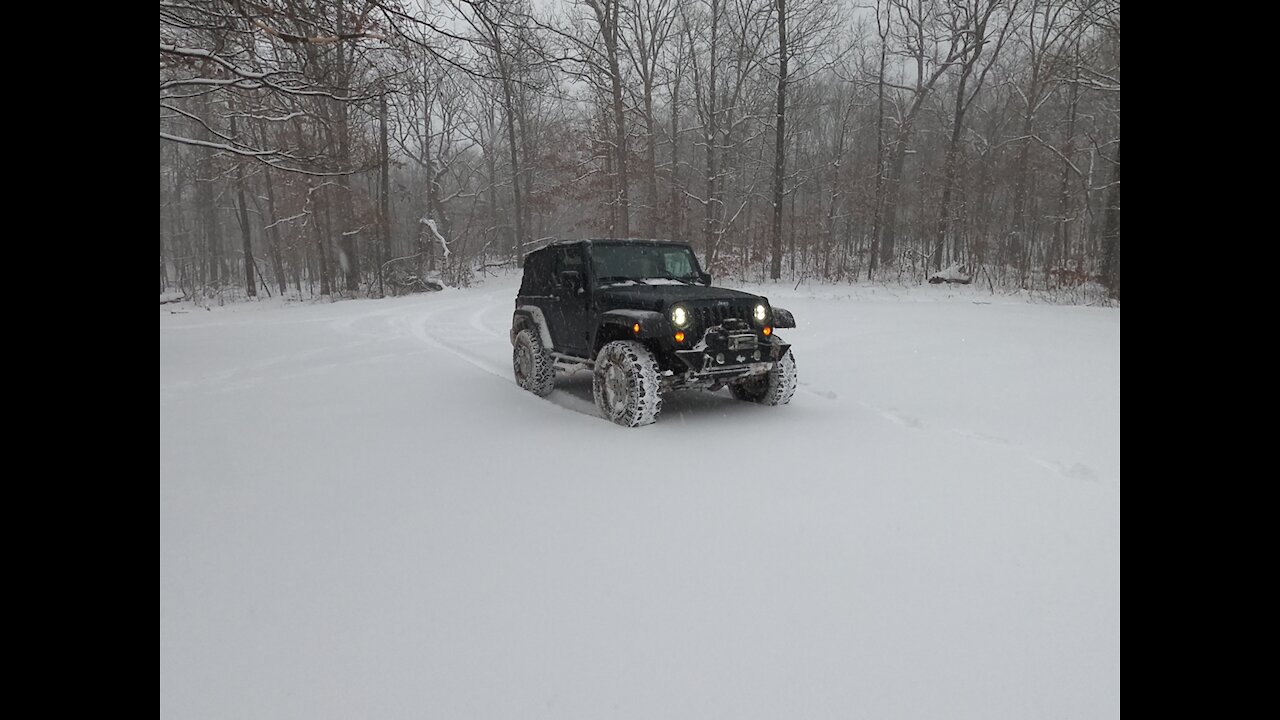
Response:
column 730, row 359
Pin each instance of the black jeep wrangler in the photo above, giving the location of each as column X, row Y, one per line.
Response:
column 643, row 316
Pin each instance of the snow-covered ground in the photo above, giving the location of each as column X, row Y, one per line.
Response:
column 361, row 515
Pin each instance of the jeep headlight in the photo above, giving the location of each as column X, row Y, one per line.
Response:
column 679, row 316
column 761, row 313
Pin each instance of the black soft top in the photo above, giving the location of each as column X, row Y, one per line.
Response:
column 612, row 241
column 539, row 265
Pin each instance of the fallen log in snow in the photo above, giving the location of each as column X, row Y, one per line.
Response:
column 950, row 275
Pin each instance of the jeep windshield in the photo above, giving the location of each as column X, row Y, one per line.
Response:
column 643, row 263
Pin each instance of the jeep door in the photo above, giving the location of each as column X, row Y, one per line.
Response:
column 569, row 329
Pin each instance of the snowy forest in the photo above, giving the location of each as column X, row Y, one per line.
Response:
column 354, row 148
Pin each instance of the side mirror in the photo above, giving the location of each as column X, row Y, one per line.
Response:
column 571, row 281
column 783, row 318
column 705, row 277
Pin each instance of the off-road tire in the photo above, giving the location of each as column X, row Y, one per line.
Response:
column 773, row 388
column 626, row 384
column 534, row 369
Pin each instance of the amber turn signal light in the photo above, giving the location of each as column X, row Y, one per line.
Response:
column 680, row 336
column 636, row 328
column 767, row 331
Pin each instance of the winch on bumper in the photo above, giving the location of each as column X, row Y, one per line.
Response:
column 729, row 351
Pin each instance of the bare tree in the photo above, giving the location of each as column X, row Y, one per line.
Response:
column 780, row 135
column 929, row 46
column 648, row 26
column 1047, row 36
column 455, row 136
column 492, row 22
column 972, row 19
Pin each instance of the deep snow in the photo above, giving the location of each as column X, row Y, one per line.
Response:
column 361, row 515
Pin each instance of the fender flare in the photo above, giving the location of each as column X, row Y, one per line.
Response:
column 531, row 316
column 652, row 323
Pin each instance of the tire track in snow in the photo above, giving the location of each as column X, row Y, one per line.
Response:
column 253, row 375
column 477, row 322
column 572, row 392
column 824, row 394
column 432, row 326
column 418, row 329
column 1067, row 469
column 570, row 396
column 455, row 323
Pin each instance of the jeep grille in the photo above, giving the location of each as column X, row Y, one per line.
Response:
column 716, row 314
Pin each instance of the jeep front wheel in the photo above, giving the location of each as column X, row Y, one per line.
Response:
column 534, row 369
column 772, row 388
column 626, row 384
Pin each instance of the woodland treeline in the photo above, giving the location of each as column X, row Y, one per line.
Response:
column 365, row 148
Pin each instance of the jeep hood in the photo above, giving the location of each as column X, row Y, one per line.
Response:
column 658, row 297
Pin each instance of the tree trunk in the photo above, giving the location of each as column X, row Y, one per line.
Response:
column 830, row 228
column 893, row 186
column 709, row 135
column 1062, row 236
column 273, row 234
column 179, row 242
column 619, row 122
column 435, row 207
column 318, row 235
column 163, row 274
column 877, row 219
column 212, row 249
column 676, row 226
column 676, row 219
column 517, row 213
column 791, row 235
column 780, row 140
column 346, row 209
column 1017, row 235
column 491, row 164
column 1111, row 232
column 949, row 176
column 651, row 169
column 250, row 283
column 384, row 193
column 526, row 165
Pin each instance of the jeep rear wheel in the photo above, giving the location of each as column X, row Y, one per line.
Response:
column 626, row 385
column 535, row 371
column 772, row 388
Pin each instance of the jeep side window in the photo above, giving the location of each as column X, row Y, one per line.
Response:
column 570, row 258
column 549, row 280
column 537, row 276
column 528, row 282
